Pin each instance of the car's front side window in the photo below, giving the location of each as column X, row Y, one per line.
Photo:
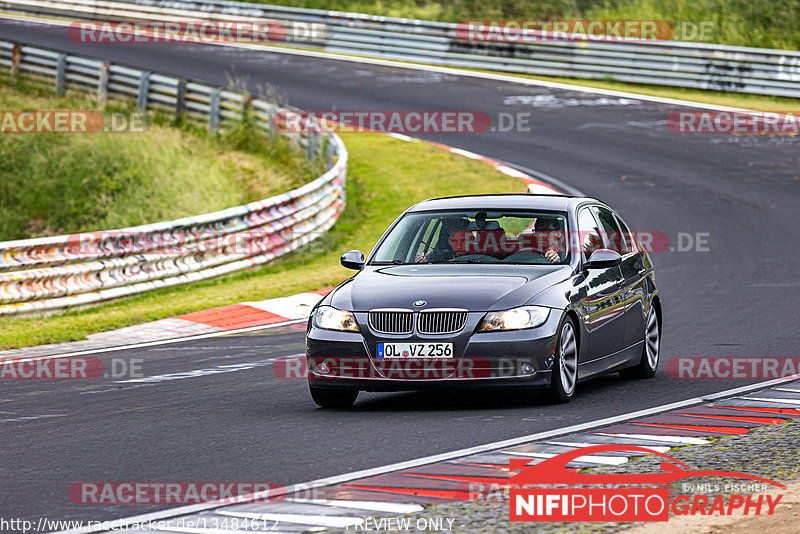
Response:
column 610, row 229
column 628, row 239
column 589, row 232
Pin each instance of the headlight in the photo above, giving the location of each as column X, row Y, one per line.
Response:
column 515, row 319
column 330, row 318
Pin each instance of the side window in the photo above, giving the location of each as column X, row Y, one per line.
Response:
column 610, row 229
column 427, row 238
column 589, row 232
column 628, row 239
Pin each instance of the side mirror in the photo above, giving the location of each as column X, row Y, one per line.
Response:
column 603, row 259
column 353, row 259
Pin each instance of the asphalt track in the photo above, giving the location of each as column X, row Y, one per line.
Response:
column 737, row 299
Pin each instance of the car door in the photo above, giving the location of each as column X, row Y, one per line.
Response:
column 630, row 287
column 600, row 296
column 635, row 266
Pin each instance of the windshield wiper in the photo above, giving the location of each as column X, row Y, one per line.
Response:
column 468, row 260
column 392, row 262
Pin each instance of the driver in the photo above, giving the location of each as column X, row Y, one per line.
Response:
column 450, row 244
column 547, row 232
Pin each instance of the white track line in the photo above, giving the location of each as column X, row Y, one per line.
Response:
column 679, row 440
column 373, row 506
column 333, row 521
column 657, row 448
column 338, row 479
column 588, row 459
column 775, row 400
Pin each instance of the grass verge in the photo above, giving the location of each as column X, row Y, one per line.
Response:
column 385, row 177
column 53, row 184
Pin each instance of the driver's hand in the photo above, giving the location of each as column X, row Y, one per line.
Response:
column 552, row 256
column 422, row 258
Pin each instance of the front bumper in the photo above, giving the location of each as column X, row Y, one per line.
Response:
column 505, row 360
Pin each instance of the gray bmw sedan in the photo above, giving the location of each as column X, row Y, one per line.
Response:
column 516, row 291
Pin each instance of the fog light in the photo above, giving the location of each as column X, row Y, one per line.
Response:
column 527, row 369
column 324, row 368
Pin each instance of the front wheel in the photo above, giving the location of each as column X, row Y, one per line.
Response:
column 564, row 376
column 651, row 350
column 333, row 398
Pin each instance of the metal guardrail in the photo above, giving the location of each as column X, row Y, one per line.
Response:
column 52, row 273
column 669, row 63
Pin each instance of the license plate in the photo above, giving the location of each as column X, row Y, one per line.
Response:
column 415, row 350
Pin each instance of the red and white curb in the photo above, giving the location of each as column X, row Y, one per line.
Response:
column 205, row 323
column 348, row 500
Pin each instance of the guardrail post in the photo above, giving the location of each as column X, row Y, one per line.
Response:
column 61, row 73
column 180, row 99
column 271, row 116
column 16, row 59
column 246, row 102
column 144, row 89
column 311, row 145
column 213, row 110
column 331, row 154
column 102, row 86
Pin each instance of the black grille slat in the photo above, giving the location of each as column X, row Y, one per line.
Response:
column 391, row 322
column 441, row 322
column 428, row 322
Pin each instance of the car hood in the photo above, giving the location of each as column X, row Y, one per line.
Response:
column 473, row 287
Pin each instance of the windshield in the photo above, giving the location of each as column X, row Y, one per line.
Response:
column 515, row 237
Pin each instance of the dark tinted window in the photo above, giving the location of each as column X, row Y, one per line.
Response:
column 610, row 229
column 589, row 232
column 628, row 240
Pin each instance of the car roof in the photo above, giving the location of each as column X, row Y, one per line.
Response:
column 523, row 201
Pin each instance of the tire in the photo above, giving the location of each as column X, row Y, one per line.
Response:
column 333, row 398
column 564, row 376
column 651, row 352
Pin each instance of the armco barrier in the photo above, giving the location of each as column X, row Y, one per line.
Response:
column 52, row 273
column 669, row 63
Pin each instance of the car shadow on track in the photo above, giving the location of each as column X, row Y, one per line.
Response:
column 458, row 400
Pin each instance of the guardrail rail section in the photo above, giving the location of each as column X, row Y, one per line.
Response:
column 668, row 63
column 52, row 273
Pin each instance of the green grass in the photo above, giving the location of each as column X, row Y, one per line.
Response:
column 768, row 24
column 385, row 177
column 54, row 184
